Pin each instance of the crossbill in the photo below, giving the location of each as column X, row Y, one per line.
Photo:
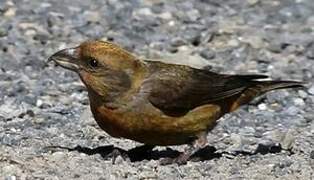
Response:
column 158, row 103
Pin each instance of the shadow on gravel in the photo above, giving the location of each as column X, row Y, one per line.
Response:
column 146, row 153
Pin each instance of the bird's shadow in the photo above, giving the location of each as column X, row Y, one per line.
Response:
column 137, row 154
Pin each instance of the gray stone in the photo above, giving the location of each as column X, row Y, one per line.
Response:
column 288, row 140
column 310, row 53
column 311, row 90
column 207, row 54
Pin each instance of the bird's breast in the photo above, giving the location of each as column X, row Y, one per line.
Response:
column 149, row 125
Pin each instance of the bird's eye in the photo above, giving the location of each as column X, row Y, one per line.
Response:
column 93, row 63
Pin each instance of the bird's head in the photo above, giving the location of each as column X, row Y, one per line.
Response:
column 104, row 67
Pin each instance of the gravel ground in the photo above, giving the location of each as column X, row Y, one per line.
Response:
column 43, row 106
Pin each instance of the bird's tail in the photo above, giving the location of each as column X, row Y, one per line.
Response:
column 265, row 86
column 260, row 87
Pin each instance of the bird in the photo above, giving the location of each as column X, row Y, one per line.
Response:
column 158, row 103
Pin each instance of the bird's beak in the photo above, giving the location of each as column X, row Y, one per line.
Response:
column 66, row 58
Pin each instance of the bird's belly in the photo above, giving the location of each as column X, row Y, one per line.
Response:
column 153, row 127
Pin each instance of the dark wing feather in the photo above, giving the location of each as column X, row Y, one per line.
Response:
column 181, row 88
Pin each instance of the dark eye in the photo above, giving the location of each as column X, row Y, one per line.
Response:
column 93, row 62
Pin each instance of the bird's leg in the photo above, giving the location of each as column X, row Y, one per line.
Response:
column 116, row 153
column 196, row 145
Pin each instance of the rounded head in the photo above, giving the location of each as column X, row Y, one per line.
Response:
column 93, row 56
column 100, row 64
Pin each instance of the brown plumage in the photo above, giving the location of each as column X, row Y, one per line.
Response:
column 157, row 103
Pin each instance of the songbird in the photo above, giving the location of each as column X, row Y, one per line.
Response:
column 156, row 103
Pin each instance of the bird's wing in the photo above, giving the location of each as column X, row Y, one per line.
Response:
column 182, row 88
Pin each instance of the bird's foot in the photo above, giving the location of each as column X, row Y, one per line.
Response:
column 196, row 145
column 116, row 153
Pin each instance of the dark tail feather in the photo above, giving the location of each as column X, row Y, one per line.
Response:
column 268, row 85
column 260, row 87
column 272, row 85
column 252, row 76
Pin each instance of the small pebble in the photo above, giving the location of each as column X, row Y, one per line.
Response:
column 302, row 94
column 262, row 106
column 288, row 140
column 312, row 154
column 39, row 103
column 58, row 156
column 311, row 90
column 299, row 102
column 207, row 54
column 10, row 12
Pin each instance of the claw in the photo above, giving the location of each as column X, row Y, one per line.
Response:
column 116, row 153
